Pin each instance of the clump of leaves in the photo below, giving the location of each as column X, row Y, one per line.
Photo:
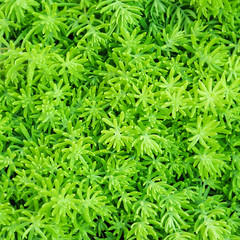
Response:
column 119, row 119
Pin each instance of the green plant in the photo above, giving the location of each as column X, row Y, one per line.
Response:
column 119, row 119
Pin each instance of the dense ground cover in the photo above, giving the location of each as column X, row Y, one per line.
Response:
column 119, row 119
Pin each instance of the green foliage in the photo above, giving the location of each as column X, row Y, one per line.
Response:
column 119, row 119
column 209, row 162
column 205, row 132
column 208, row 8
column 116, row 136
column 122, row 13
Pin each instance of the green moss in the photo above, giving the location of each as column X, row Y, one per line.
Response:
column 119, row 119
